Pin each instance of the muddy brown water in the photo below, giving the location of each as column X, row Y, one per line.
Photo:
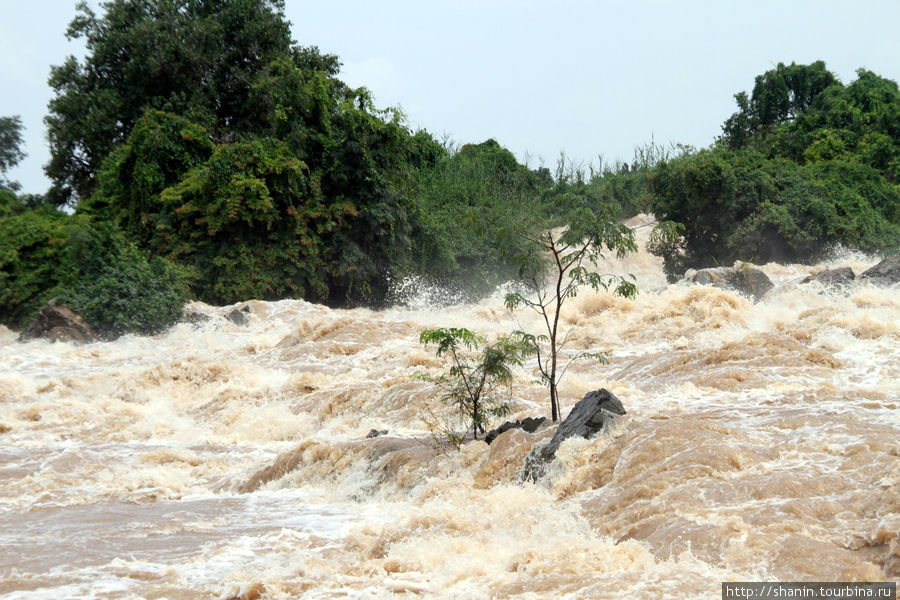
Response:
column 219, row 461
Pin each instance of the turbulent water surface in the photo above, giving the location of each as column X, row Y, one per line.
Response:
column 225, row 461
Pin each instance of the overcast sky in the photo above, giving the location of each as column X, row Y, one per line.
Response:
column 587, row 77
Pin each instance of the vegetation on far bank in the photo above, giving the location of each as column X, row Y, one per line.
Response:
column 805, row 164
column 275, row 179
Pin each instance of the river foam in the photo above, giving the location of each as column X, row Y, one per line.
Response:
column 225, row 461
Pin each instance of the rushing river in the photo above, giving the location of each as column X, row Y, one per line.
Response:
column 224, row 461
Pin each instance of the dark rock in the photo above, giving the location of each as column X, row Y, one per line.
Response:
column 239, row 316
column 374, row 433
column 843, row 276
column 717, row 276
column 741, row 278
column 886, row 272
column 528, row 424
column 531, row 424
column 493, row 433
column 195, row 317
column 587, row 417
column 58, row 323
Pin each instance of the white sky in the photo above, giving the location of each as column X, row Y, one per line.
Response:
column 587, row 77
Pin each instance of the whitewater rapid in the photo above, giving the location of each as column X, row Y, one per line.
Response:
column 226, row 461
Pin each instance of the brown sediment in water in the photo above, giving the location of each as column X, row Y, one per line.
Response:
column 232, row 462
column 746, row 497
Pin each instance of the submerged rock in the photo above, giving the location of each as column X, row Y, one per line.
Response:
column 886, row 272
column 59, row 323
column 528, row 424
column 194, row 317
column 588, row 416
column 239, row 316
column 742, row 278
column 387, row 462
column 842, row 276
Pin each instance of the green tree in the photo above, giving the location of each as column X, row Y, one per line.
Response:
column 252, row 219
column 805, row 164
column 10, row 149
column 477, row 387
column 32, row 247
column 779, row 95
column 116, row 287
column 469, row 203
column 803, row 113
column 271, row 179
column 196, row 58
column 367, row 160
column 160, row 150
column 565, row 266
column 738, row 205
column 251, row 225
column 46, row 253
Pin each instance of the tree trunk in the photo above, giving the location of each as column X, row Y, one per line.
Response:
column 554, row 402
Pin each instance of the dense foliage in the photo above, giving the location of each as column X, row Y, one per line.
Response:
column 32, row 249
column 197, row 58
column 116, row 287
column 196, row 133
column 274, row 180
column 471, row 205
column 10, row 149
column 805, row 164
column 46, row 253
column 477, row 386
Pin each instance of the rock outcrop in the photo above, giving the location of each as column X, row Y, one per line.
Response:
column 194, row 317
column 840, row 277
column 590, row 415
column 238, row 316
column 741, row 278
column 58, row 323
column 887, row 272
column 528, row 424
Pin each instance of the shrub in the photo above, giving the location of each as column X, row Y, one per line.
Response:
column 46, row 253
column 116, row 288
column 740, row 205
column 32, row 243
column 471, row 205
column 477, row 387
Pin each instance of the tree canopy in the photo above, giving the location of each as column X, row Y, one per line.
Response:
column 10, row 149
column 204, row 135
column 212, row 139
column 201, row 59
column 805, row 164
column 778, row 96
column 471, row 203
column 46, row 253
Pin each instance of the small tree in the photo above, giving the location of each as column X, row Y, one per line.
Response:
column 475, row 387
column 116, row 287
column 561, row 269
